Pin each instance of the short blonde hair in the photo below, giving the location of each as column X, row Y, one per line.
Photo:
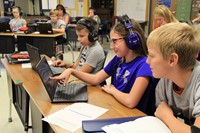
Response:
column 179, row 38
column 53, row 12
column 164, row 12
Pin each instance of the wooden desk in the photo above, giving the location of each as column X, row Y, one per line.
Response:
column 46, row 43
column 7, row 43
column 42, row 107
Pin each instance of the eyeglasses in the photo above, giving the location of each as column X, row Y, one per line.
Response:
column 114, row 41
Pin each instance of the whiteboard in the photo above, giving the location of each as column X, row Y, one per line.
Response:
column 135, row 9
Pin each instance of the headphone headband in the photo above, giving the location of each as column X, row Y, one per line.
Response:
column 93, row 35
column 132, row 39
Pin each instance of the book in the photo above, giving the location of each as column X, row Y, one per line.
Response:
column 18, row 57
column 146, row 124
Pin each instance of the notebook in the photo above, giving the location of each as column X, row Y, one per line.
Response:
column 45, row 28
column 94, row 126
column 5, row 27
column 35, row 57
column 71, row 92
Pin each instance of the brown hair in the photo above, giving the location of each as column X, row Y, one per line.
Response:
column 120, row 29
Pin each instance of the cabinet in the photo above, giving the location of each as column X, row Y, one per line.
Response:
column 195, row 9
column 8, row 4
column 104, row 8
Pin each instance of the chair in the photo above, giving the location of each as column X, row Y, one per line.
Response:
column 104, row 30
column 105, row 53
column 70, row 37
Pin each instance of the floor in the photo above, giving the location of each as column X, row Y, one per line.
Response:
column 16, row 125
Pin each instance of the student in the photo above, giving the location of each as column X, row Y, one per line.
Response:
column 58, row 26
column 172, row 49
column 93, row 15
column 131, row 76
column 91, row 58
column 62, row 14
column 162, row 16
column 17, row 22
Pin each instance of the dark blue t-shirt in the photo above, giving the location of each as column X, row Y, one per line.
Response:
column 123, row 76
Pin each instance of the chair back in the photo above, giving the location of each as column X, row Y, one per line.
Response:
column 105, row 53
column 5, row 19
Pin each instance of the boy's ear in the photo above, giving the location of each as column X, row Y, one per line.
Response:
column 173, row 59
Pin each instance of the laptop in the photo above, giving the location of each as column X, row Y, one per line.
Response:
column 35, row 57
column 45, row 28
column 72, row 92
column 5, row 27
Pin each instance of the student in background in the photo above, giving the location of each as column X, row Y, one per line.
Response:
column 162, row 16
column 92, row 14
column 62, row 14
column 178, row 91
column 17, row 22
column 131, row 76
column 91, row 57
column 58, row 26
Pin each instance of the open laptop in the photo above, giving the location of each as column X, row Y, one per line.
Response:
column 71, row 92
column 45, row 28
column 5, row 27
column 35, row 57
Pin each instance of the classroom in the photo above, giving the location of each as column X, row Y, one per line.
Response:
column 99, row 53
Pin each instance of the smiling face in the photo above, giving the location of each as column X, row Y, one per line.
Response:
column 159, row 66
column 118, row 44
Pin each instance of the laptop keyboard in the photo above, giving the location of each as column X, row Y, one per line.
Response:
column 65, row 92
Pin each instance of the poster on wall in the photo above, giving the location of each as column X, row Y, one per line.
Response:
column 48, row 4
column 164, row 2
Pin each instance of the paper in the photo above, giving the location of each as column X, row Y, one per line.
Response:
column 147, row 124
column 70, row 118
column 26, row 65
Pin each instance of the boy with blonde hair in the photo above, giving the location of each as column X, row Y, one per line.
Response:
column 172, row 49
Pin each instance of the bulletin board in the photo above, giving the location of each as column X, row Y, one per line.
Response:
column 136, row 10
column 76, row 7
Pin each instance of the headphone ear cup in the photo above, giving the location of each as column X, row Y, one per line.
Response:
column 133, row 41
column 93, row 36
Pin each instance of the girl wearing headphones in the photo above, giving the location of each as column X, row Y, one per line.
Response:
column 62, row 14
column 131, row 76
column 17, row 22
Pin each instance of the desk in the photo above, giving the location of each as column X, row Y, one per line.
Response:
column 42, row 107
column 7, row 43
column 46, row 43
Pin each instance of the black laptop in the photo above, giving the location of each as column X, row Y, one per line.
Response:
column 35, row 57
column 5, row 27
column 71, row 92
column 45, row 28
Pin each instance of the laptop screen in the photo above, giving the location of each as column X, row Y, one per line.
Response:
column 5, row 27
column 45, row 72
column 45, row 28
column 34, row 55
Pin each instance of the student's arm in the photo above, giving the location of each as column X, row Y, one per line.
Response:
column 66, row 20
column 165, row 113
column 61, row 30
column 93, row 79
column 131, row 99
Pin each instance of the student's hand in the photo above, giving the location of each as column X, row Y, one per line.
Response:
column 108, row 88
column 163, row 111
column 63, row 77
column 59, row 63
